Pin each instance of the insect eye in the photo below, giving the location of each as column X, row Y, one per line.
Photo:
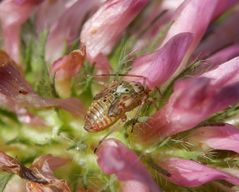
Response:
column 104, row 100
column 127, row 90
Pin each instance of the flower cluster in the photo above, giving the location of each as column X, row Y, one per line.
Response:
column 54, row 57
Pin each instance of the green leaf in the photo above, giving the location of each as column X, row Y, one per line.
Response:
column 43, row 83
column 38, row 57
column 4, row 178
column 27, row 46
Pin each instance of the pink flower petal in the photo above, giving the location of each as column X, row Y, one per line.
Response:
column 12, row 15
column 102, row 64
column 186, row 19
column 27, row 118
column 193, row 100
column 65, row 30
column 134, row 185
column 184, row 110
column 227, row 32
column 104, row 28
column 218, row 58
column 44, row 166
column 115, row 158
column 17, row 91
column 48, row 163
column 224, row 55
column 192, row 174
column 224, row 137
column 159, row 66
column 49, row 12
column 65, row 68
column 171, row 5
column 23, row 115
column 69, row 65
column 224, row 74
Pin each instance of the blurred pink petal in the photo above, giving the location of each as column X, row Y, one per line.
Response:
column 134, row 185
column 27, row 118
column 48, row 163
column 12, row 15
column 159, row 66
column 145, row 38
column 65, row 30
column 23, row 115
column 223, row 6
column 44, row 166
column 192, row 174
column 115, row 158
column 223, row 35
column 223, row 137
column 105, row 27
column 49, row 12
column 193, row 100
column 17, row 91
column 102, row 64
column 159, row 13
column 69, row 65
column 65, row 68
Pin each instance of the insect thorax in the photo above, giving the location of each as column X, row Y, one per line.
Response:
column 113, row 102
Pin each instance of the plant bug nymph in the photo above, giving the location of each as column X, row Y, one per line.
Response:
column 112, row 103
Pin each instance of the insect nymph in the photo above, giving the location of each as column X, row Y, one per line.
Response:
column 112, row 103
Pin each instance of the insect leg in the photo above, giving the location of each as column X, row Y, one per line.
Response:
column 131, row 123
column 101, row 141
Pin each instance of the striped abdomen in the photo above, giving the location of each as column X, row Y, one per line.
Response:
column 97, row 117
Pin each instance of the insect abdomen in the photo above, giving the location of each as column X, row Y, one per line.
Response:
column 97, row 117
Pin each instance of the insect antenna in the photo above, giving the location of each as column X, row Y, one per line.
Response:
column 121, row 75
